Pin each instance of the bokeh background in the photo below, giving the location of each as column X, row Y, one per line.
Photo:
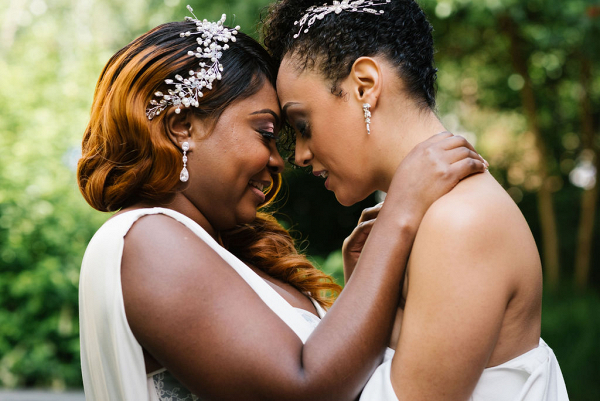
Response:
column 518, row 78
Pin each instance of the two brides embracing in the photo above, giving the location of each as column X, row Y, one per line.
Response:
column 188, row 292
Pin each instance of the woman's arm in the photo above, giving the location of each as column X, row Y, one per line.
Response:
column 462, row 276
column 202, row 322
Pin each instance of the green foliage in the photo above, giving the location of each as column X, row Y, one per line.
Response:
column 51, row 57
column 571, row 326
column 52, row 52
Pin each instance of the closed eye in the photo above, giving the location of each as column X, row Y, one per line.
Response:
column 267, row 134
column 303, row 129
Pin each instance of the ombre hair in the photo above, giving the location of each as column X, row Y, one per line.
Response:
column 127, row 158
column 266, row 245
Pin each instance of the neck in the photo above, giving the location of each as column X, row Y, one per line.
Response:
column 404, row 128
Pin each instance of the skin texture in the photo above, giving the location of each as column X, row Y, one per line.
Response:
column 473, row 285
column 194, row 315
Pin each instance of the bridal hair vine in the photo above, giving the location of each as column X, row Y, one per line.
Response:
column 314, row 13
column 212, row 41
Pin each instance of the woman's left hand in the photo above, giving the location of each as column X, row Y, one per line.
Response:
column 354, row 243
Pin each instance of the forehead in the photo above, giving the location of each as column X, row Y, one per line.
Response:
column 294, row 84
column 265, row 97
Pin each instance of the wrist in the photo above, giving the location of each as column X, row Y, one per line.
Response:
column 404, row 217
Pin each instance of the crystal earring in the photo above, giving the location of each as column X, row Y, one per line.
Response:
column 184, row 176
column 366, row 107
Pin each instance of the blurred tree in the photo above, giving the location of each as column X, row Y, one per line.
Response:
column 545, row 51
column 587, row 57
column 52, row 52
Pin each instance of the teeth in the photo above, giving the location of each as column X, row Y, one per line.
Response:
column 257, row 185
column 324, row 174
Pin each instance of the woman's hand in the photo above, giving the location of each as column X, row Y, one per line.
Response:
column 354, row 243
column 429, row 171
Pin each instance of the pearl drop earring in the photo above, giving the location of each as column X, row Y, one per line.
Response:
column 185, row 175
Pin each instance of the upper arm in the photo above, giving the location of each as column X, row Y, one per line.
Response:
column 458, row 291
column 199, row 318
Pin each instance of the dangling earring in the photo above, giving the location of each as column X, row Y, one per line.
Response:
column 184, row 176
column 366, row 107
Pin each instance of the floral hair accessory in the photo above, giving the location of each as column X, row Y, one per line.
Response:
column 314, row 13
column 212, row 41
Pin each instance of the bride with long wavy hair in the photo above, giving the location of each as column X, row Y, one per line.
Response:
column 186, row 291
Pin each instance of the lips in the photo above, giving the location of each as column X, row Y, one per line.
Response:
column 321, row 173
column 257, row 188
column 259, row 185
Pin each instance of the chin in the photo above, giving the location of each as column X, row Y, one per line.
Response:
column 349, row 199
column 246, row 217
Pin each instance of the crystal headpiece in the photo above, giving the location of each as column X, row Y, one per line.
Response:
column 314, row 13
column 212, row 41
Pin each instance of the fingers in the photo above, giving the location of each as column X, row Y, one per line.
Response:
column 439, row 137
column 456, row 141
column 463, row 149
column 457, row 154
column 370, row 213
column 357, row 238
column 468, row 166
column 363, row 228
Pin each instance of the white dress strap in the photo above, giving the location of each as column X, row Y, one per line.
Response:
column 274, row 301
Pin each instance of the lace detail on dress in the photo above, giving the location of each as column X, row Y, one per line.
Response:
column 169, row 389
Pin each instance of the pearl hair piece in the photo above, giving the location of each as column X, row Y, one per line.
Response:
column 314, row 13
column 212, row 41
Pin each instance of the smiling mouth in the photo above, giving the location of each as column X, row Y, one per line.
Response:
column 257, row 185
column 322, row 174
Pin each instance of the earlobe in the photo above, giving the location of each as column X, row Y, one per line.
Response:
column 367, row 80
column 178, row 126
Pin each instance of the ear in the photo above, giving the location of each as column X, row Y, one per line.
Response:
column 179, row 125
column 367, row 80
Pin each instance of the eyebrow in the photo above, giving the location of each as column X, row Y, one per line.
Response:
column 268, row 111
column 287, row 105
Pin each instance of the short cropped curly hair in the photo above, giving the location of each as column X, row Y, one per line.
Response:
column 332, row 45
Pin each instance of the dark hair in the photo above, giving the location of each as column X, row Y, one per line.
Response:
column 125, row 157
column 333, row 44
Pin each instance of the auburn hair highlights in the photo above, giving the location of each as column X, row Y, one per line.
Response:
column 266, row 245
column 127, row 158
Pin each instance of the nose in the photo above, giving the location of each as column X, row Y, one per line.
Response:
column 276, row 162
column 302, row 154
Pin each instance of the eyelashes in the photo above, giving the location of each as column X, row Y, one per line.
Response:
column 303, row 129
column 267, row 135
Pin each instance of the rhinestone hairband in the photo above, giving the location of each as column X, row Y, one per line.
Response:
column 314, row 13
column 213, row 40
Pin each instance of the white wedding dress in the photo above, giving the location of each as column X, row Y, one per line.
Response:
column 532, row 376
column 112, row 360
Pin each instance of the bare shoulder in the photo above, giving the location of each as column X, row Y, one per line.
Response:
column 160, row 254
column 478, row 225
column 478, row 205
